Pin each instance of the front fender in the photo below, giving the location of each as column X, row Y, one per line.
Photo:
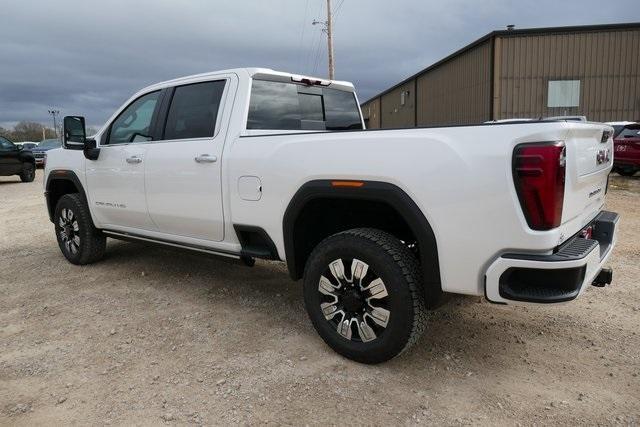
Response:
column 26, row 156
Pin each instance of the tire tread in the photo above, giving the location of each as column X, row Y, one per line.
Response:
column 404, row 259
column 412, row 273
column 95, row 242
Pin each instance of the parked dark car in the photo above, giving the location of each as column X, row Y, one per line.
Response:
column 28, row 145
column 626, row 159
column 16, row 161
column 39, row 152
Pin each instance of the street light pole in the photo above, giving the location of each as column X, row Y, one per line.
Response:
column 55, row 114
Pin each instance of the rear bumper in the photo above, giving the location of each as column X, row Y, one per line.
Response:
column 553, row 278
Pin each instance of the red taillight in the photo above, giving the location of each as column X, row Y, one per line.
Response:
column 538, row 173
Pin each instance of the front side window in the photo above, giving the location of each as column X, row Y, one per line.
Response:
column 290, row 106
column 194, row 110
column 5, row 144
column 134, row 123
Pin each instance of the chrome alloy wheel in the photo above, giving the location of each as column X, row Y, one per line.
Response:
column 354, row 305
column 69, row 231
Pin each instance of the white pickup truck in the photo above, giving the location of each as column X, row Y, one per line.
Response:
column 380, row 224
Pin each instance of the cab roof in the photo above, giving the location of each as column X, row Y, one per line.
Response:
column 250, row 72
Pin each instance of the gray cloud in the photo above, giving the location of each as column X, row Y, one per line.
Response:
column 87, row 57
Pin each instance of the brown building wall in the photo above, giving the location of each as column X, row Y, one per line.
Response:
column 395, row 115
column 457, row 91
column 507, row 75
column 605, row 62
column 371, row 113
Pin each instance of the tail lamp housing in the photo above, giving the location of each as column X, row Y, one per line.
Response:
column 539, row 176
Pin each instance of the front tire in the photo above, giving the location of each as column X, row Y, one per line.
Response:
column 79, row 240
column 361, row 291
column 28, row 173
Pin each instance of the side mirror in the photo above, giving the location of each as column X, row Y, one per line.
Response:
column 74, row 134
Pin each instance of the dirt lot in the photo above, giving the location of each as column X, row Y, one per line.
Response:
column 152, row 336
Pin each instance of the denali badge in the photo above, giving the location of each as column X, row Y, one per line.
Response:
column 111, row 205
column 602, row 157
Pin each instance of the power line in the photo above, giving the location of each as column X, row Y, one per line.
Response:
column 335, row 14
column 316, row 60
column 304, row 26
column 312, row 59
column 310, row 55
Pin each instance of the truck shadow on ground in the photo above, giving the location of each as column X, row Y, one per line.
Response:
column 458, row 333
column 6, row 182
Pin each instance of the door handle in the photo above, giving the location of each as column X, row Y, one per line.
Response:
column 134, row 159
column 206, row 158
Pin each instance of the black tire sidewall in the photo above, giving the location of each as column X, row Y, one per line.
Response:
column 85, row 228
column 28, row 173
column 626, row 172
column 398, row 331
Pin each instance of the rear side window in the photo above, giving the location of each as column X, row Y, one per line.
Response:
column 290, row 106
column 194, row 110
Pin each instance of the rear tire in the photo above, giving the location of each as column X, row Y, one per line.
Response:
column 362, row 293
column 79, row 240
column 627, row 172
column 28, row 173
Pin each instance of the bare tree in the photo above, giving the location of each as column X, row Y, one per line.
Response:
column 28, row 131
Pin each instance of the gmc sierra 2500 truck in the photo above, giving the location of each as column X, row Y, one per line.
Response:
column 254, row 163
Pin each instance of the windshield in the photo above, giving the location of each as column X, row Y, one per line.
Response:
column 290, row 106
column 49, row 143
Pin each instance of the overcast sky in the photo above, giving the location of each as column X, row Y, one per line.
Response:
column 87, row 57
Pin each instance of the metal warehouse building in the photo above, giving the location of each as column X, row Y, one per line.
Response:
column 588, row 70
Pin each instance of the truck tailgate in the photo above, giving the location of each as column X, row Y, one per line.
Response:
column 589, row 160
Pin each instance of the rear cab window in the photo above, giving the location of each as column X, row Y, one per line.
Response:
column 276, row 105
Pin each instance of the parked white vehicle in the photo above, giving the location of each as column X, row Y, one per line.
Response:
column 618, row 126
column 253, row 163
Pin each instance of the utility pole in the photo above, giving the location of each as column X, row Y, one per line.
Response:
column 328, row 30
column 330, row 40
column 55, row 114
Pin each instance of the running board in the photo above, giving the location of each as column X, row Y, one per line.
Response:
column 203, row 249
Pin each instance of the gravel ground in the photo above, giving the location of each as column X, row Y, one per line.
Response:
column 151, row 336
